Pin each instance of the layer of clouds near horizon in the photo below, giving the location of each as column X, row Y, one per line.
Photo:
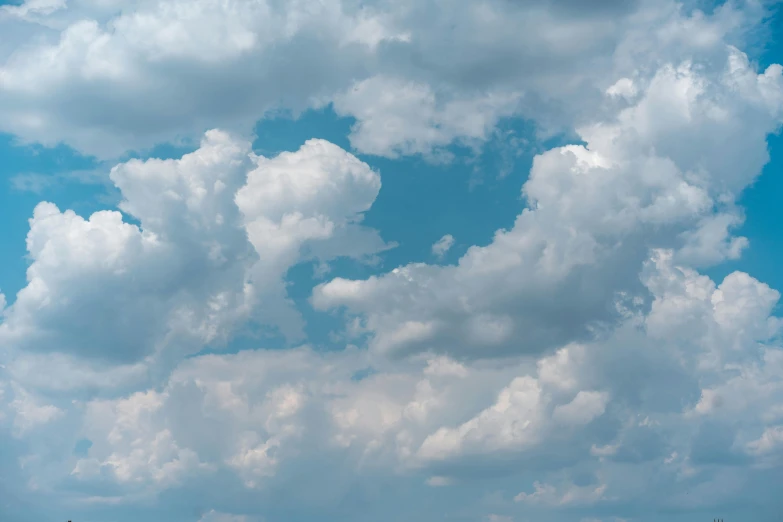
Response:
column 577, row 363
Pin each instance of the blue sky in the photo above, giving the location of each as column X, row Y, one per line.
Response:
column 392, row 261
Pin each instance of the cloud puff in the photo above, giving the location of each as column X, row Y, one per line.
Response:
column 213, row 235
column 443, row 245
column 396, row 117
column 216, row 516
column 29, row 413
column 547, row 494
column 662, row 171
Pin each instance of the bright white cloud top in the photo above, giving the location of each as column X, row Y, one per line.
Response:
column 577, row 366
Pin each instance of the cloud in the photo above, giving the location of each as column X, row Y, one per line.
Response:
column 443, row 245
column 593, row 212
column 439, row 481
column 30, row 8
column 264, row 417
column 215, row 516
column 586, row 406
column 217, row 231
column 397, row 117
column 151, row 456
column 29, row 413
column 497, row 518
column 547, row 494
column 580, row 364
column 105, row 80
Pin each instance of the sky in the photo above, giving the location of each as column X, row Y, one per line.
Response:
column 380, row 261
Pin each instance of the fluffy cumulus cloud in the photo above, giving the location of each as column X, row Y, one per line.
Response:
column 580, row 365
column 684, row 403
column 443, row 245
column 663, row 170
column 214, row 235
column 106, row 76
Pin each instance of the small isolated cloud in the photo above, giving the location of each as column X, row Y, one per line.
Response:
column 440, row 481
column 546, row 494
column 498, row 518
column 216, row 516
column 443, row 245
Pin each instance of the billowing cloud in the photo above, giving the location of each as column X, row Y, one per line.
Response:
column 580, row 365
column 637, row 397
column 663, row 171
column 214, row 234
column 106, row 79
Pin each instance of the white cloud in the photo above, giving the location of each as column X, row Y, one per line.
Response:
column 30, row 413
column 623, row 87
column 549, row 495
column 498, row 518
column 439, row 481
column 712, row 242
column 397, row 117
column 443, row 245
column 769, row 446
column 586, row 406
column 653, row 174
column 105, row 79
column 579, row 358
column 218, row 230
column 263, row 416
column 216, row 516
column 33, row 7
column 512, row 422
